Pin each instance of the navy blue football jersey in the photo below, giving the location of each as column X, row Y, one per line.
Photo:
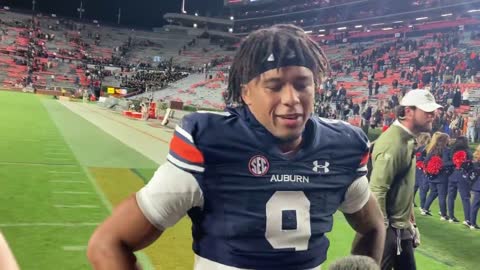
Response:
column 253, row 207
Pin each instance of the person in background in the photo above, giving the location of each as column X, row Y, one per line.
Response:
column 475, row 206
column 471, row 124
column 393, row 177
column 460, row 155
column 420, row 182
column 144, row 110
column 438, row 147
column 477, row 128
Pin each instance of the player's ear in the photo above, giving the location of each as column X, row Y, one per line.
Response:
column 246, row 94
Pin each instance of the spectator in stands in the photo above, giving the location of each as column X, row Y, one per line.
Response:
column 370, row 87
column 471, row 124
column 457, row 98
column 477, row 128
column 342, row 92
column 377, row 87
column 360, row 75
column 395, row 84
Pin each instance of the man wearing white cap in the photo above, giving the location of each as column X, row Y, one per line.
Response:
column 393, row 177
column 421, row 99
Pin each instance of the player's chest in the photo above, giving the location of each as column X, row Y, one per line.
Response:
column 258, row 170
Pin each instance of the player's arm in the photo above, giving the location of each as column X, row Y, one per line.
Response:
column 364, row 215
column 125, row 231
column 7, row 260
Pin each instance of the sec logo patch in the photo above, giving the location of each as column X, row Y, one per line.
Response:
column 258, row 165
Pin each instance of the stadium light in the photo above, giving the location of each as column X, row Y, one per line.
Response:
column 421, row 18
column 231, row 18
column 447, row 14
column 387, row 28
column 321, row 30
column 230, row 30
column 342, row 28
column 196, row 14
column 473, row 10
column 358, row 26
column 377, row 24
column 308, row 32
column 410, row 26
column 398, row 22
column 321, row 35
column 195, row 25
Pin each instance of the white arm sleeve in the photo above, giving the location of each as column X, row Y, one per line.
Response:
column 168, row 196
column 356, row 197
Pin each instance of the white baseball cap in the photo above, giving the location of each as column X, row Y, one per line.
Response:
column 422, row 99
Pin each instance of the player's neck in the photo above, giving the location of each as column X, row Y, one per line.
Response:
column 290, row 148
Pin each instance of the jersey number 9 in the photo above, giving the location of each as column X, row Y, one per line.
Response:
column 278, row 206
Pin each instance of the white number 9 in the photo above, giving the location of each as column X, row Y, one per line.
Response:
column 295, row 238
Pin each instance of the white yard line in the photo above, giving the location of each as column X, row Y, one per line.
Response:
column 44, row 224
column 58, row 159
column 65, row 172
column 73, row 192
column 36, row 164
column 74, row 248
column 68, row 181
column 76, row 206
column 53, row 147
column 57, row 153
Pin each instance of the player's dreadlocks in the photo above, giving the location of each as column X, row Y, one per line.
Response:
column 276, row 45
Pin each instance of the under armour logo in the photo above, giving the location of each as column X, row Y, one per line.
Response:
column 321, row 168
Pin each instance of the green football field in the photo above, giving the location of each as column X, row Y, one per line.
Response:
column 60, row 176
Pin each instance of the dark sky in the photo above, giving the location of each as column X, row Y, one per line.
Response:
column 140, row 13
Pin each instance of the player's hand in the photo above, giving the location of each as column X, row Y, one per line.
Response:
column 416, row 236
column 417, row 239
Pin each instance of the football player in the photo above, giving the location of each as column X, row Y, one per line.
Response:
column 260, row 181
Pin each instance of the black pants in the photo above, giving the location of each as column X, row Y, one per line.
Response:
column 404, row 261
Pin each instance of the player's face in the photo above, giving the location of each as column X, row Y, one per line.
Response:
column 282, row 100
column 422, row 121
